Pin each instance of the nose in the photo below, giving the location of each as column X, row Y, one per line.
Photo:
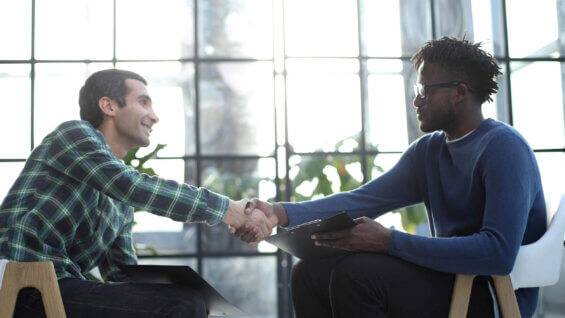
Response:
column 418, row 101
column 153, row 116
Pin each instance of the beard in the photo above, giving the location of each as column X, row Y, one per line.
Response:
column 440, row 119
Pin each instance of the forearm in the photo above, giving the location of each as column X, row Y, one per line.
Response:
column 479, row 254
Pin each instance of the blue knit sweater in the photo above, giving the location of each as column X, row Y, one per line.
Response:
column 483, row 195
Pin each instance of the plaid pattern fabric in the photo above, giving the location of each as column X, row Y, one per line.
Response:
column 73, row 204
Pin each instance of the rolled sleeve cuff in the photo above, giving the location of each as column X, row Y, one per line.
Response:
column 216, row 209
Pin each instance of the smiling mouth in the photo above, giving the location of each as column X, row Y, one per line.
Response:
column 147, row 127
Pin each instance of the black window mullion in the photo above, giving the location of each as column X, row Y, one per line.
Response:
column 199, row 248
column 114, row 36
column 284, row 260
column 363, row 91
column 507, row 63
column 433, row 19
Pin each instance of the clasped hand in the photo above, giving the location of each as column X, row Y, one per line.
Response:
column 251, row 224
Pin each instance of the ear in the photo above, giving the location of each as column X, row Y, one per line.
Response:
column 108, row 106
column 461, row 93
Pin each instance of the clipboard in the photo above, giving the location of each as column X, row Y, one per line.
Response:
column 298, row 242
column 216, row 304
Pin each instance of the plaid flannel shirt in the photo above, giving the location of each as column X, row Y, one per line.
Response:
column 72, row 204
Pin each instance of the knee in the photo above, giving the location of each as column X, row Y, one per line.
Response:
column 345, row 272
column 298, row 272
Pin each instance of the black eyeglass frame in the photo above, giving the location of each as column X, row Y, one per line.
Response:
column 420, row 90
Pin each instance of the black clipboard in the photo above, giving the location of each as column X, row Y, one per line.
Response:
column 216, row 304
column 298, row 242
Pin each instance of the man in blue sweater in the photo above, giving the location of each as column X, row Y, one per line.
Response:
column 479, row 181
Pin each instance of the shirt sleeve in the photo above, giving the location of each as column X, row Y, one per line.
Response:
column 81, row 152
column 121, row 252
column 511, row 182
column 396, row 188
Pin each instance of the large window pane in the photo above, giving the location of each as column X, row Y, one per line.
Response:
column 537, row 102
column 381, row 24
column 472, row 19
column 148, row 222
column 237, row 179
column 249, row 283
column 324, row 104
column 415, row 21
column 533, row 29
column 552, row 170
column 236, row 108
column 15, row 109
column 156, row 235
column 381, row 163
column 171, row 86
column 487, row 26
column 147, row 29
column 321, row 28
column 498, row 108
column 74, row 29
column 9, row 172
column 318, row 176
column 15, row 23
column 386, row 127
column 155, row 243
column 414, row 219
column 235, row 28
column 56, row 94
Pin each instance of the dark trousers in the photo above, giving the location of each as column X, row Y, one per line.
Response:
column 378, row 285
column 96, row 299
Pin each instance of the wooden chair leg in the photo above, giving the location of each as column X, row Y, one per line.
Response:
column 461, row 295
column 40, row 275
column 506, row 296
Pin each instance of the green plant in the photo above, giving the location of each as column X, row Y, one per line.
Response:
column 131, row 159
column 232, row 185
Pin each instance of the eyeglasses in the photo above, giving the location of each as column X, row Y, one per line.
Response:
column 420, row 90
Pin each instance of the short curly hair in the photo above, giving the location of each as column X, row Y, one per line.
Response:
column 465, row 60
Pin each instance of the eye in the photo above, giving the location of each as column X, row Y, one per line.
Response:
column 144, row 102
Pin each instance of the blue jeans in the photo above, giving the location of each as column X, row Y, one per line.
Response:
column 85, row 299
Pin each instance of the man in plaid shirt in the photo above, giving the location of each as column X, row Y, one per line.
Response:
column 73, row 205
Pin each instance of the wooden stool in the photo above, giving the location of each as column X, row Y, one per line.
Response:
column 40, row 275
column 462, row 293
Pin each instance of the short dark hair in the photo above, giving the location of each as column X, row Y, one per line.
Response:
column 465, row 60
column 107, row 83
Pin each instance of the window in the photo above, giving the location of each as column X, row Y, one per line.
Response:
column 248, row 91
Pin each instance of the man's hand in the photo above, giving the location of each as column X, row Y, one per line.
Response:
column 235, row 216
column 367, row 236
column 255, row 223
column 257, row 227
column 274, row 212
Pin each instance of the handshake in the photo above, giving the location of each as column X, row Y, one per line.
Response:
column 252, row 220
